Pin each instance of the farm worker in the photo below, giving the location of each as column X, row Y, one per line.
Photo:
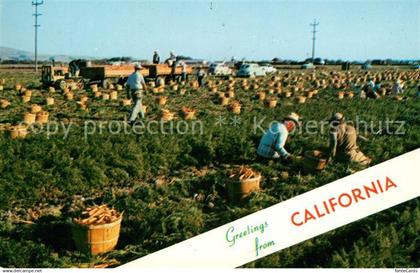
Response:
column 371, row 83
column 370, row 90
column 74, row 67
column 201, row 74
column 156, row 58
column 343, row 141
column 272, row 142
column 397, row 88
column 173, row 64
column 184, row 71
column 136, row 85
column 377, row 86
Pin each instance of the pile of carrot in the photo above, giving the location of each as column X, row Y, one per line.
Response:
column 243, row 173
column 98, row 215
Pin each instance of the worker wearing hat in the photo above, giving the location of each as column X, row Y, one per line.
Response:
column 397, row 88
column 136, row 85
column 343, row 141
column 273, row 141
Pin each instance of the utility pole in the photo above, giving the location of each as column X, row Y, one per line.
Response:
column 314, row 25
column 36, row 14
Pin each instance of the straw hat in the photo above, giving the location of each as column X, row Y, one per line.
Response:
column 293, row 117
column 336, row 117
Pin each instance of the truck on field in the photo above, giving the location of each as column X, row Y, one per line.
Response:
column 105, row 75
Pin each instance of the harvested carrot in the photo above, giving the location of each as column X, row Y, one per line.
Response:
column 98, row 215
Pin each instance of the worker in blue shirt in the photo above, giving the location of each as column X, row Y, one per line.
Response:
column 273, row 141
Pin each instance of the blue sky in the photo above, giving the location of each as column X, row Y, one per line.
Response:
column 212, row 30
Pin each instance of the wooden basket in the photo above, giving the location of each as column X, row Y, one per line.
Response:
column 261, row 96
column 224, row 101
column 105, row 96
column 188, row 113
column 126, row 102
column 96, row 239
column 235, row 107
column 18, row 87
column 35, row 108
column 162, row 100
column 42, row 117
column 84, row 99
column 1, row 88
column 340, row 95
column 195, row 85
column 27, row 93
column 231, row 94
column 113, row 95
column 50, row 101
column 4, row 104
column 29, row 118
column 314, row 161
column 238, row 189
column 94, row 87
column 167, row 115
column 271, row 103
column 310, row 94
column 18, row 131
column 82, row 105
column 301, row 99
column 350, row 95
column 69, row 96
column 26, row 99
column 287, row 94
column 144, row 108
column 51, row 89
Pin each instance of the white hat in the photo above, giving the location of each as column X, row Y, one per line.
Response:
column 293, row 117
column 138, row 66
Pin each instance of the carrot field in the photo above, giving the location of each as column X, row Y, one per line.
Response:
column 169, row 179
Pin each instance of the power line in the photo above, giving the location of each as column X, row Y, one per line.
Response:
column 36, row 14
column 314, row 25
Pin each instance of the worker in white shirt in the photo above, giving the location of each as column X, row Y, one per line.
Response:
column 184, row 71
column 136, row 85
column 398, row 87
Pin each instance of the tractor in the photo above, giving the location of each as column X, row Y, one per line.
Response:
column 59, row 77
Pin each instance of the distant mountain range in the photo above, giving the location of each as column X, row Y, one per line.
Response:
column 7, row 53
